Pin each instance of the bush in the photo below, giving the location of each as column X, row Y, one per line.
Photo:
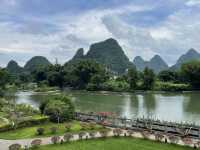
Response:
column 84, row 126
column 81, row 135
column 55, row 139
column 54, row 130
column 40, row 131
column 36, row 120
column 15, row 147
column 59, row 109
column 168, row 86
column 114, row 85
column 67, row 137
column 36, row 143
column 68, row 127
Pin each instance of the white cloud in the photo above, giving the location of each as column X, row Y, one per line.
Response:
column 170, row 38
column 193, row 2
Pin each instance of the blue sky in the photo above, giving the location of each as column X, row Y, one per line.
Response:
column 56, row 29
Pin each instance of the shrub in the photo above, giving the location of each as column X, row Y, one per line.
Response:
column 67, row 137
column 81, row 134
column 92, row 134
column 55, row 139
column 35, row 120
column 92, row 126
column 104, row 133
column 15, row 147
column 168, row 86
column 36, row 143
column 117, row 132
column 54, row 130
column 59, row 109
column 84, row 126
column 68, row 127
column 40, row 131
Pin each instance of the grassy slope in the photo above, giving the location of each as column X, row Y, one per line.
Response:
column 30, row 132
column 115, row 144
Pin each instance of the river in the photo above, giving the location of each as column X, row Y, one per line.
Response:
column 179, row 107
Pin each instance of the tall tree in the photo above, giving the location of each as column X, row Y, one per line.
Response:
column 132, row 77
column 59, row 108
column 191, row 73
column 148, row 79
column 4, row 78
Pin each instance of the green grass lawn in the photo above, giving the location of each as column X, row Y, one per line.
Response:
column 114, row 144
column 30, row 132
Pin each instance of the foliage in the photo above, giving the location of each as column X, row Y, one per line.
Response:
column 81, row 135
column 59, row 109
column 55, row 75
column 132, row 77
column 168, row 76
column 86, row 71
column 169, row 86
column 36, row 143
column 191, row 73
column 40, row 131
column 116, row 85
column 15, row 147
column 148, row 79
column 3, row 78
column 54, row 130
column 29, row 121
column 117, row 132
column 55, row 139
column 68, row 136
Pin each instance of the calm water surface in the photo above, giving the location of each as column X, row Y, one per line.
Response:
column 181, row 107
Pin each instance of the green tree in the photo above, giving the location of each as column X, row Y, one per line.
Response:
column 4, row 78
column 59, row 109
column 132, row 77
column 148, row 79
column 168, row 76
column 191, row 73
column 86, row 71
column 40, row 74
column 55, row 75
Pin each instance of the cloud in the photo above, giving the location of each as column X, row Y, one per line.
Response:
column 142, row 27
column 193, row 2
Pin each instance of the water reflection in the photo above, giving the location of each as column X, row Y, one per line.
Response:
column 167, row 106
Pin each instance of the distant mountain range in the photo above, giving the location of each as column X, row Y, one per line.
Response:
column 111, row 54
column 31, row 65
column 156, row 63
column 192, row 54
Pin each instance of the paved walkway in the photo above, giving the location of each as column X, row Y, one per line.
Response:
column 4, row 144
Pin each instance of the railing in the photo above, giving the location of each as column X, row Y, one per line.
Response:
column 178, row 129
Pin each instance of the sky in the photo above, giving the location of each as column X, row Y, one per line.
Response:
column 57, row 28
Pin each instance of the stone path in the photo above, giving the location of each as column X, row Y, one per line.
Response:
column 4, row 144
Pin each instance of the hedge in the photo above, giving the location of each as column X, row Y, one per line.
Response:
column 35, row 120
